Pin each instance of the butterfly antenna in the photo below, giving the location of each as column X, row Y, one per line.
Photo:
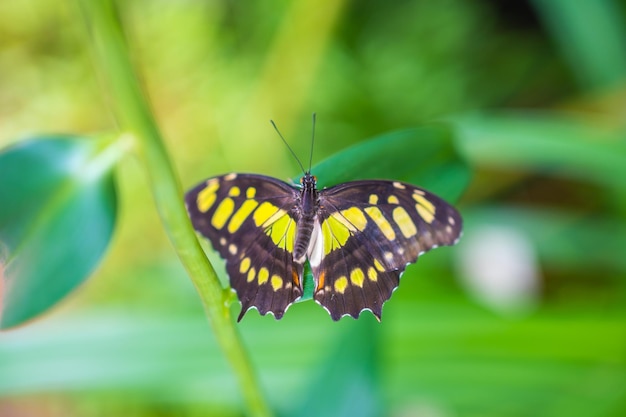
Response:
column 312, row 142
column 288, row 147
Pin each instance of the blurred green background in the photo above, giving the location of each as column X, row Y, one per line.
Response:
column 525, row 317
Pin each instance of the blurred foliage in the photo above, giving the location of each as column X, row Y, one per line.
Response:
column 455, row 339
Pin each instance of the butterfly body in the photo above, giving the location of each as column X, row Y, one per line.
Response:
column 306, row 218
column 358, row 238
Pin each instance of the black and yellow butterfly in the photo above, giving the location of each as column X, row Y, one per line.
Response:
column 358, row 238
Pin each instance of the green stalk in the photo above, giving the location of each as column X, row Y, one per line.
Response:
column 134, row 116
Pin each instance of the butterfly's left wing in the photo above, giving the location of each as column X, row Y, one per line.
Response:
column 371, row 230
column 250, row 221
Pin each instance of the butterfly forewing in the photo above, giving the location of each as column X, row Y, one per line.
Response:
column 371, row 230
column 250, row 221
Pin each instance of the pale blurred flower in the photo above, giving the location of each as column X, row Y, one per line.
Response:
column 499, row 268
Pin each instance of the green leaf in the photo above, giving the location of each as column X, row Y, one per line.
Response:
column 547, row 142
column 348, row 383
column 56, row 218
column 424, row 156
column 590, row 35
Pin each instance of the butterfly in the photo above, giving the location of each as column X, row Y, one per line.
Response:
column 358, row 238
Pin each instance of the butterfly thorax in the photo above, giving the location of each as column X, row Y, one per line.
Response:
column 307, row 210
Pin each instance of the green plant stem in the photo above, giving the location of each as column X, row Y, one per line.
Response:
column 134, row 115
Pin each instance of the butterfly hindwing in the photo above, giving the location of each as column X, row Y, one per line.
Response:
column 249, row 220
column 371, row 230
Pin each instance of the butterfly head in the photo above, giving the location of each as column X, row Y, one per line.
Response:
column 308, row 181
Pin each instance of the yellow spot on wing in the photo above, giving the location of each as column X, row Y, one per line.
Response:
column 341, row 284
column 381, row 222
column 379, row 266
column 222, row 213
column 245, row 264
column 251, row 274
column 234, row 192
column 404, row 222
column 206, row 197
column 241, row 215
column 373, row 199
column 334, row 233
column 425, row 208
column 250, row 192
column 283, row 232
column 392, row 199
column 277, row 282
column 425, row 214
column 357, row 277
column 354, row 216
column 264, row 274
column 290, row 235
column 372, row 274
column 266, row 214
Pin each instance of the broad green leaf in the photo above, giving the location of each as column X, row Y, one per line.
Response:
column 56, row 218
column 590, row 35
column 423, row 156
column 348, row 383
column 546, row 142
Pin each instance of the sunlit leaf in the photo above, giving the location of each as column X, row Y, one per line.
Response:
column 56, row 218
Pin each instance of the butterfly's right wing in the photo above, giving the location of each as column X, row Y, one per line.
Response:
column 371, row 230
column 249, row 220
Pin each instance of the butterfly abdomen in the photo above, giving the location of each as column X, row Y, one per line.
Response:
column 303, row 239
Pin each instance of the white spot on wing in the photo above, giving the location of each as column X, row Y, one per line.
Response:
column 316, row 245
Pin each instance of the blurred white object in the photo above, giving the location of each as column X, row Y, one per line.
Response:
column 499, row 268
